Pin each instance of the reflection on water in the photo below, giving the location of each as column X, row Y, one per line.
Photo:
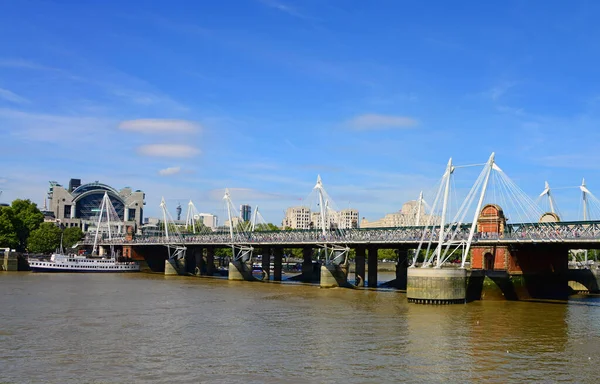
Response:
column 151, row 328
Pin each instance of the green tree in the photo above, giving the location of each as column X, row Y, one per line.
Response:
column 27, row 218
column 8, row 232
column 45, row 239
column 223, row 252
column 71, row 236
column 266, row 227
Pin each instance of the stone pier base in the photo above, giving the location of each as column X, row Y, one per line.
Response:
column 436, row 286
column 333, row 275
column 240, row 271
column 174, row 267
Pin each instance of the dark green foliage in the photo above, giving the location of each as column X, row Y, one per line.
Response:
column 27, row 218
column 45, row 239
column 266, row 227
column 223, row 252
column 71, row 236
column 8, row 232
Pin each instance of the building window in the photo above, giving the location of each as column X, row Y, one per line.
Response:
column 67, row 214
column 131, row 214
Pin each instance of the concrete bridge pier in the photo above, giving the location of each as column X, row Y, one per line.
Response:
column 266, row 263
column 277, row 263
column 372, row 262
column 175, row 266
column 193, row 260
column 436, row 285
column 210, row 261
column 401, row 271
column 310, row 270
column 359, row 269
column 241, row 269
column 335, row 273
column 199, row 266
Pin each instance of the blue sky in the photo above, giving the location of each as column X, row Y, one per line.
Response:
column 183, row 99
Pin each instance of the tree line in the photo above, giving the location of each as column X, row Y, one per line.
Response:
column 22, row 228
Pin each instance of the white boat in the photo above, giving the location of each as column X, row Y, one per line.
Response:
column 74, row 263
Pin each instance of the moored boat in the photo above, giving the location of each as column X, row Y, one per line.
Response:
column 74, row 263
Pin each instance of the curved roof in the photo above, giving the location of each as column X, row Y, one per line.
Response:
column 111, row 193
column 94, row 187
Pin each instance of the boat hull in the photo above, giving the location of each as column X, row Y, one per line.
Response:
column 68, row 270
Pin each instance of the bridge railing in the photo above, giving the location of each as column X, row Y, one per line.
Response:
column 544, row 232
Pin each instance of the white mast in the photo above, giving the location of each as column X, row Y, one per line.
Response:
column 94, row 249
column 253, row 223
column 419, row 202
column 490, row 165
column 163, row 206
column 584, row 191
column 227, row 199
column 323, row 209
column 547, row 193
column 189, row 218
column 438, row 250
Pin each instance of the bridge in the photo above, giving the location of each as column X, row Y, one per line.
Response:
column 530, row 252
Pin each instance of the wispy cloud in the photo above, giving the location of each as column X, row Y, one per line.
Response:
column 12, row 97
column 141, row 97
column 285, row 8
column 246, row 194
column 23, row 64
column 169, row 171
column 53, row 128
column 376, row 121
column 168, row 150
column 496, row 92
column 160, row 126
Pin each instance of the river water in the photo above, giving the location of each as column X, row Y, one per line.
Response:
column 129, row 328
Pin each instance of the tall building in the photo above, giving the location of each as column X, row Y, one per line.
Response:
column 347, row 218
column 208, row 219
column 344, row 219
column 79, row 205
column 245, row 212
column 303, row 218
column 409, row 215
column 296, row 218
column 235, row 221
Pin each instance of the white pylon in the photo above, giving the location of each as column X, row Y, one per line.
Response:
column 438, row 250
column 190, row 219
column 490, row 166
column 163, row 207
column 419, row 204
column 585, row 193
column 547, row 192
column 323, row 209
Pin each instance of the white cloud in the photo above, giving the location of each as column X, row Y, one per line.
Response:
column 12, row 97
column 169, row 171
column 168, row 150
column 495, row 93
column 160, row 126
column 375, row 121
column 22, row 64
column 245, row 194
column 54, row 128
column 283, row 8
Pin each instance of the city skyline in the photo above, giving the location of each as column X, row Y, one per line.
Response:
column 260, row 96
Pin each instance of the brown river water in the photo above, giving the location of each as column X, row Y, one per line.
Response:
column 142, row 328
